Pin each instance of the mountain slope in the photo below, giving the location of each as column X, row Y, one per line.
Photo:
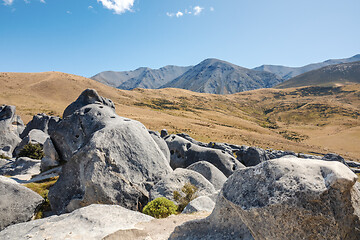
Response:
column 290, row 72
column 332, row 75
column 140, row 78
column 220, row 77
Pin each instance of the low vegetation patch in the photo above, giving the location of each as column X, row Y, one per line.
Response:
column 160, row 208
column 293, row 136
column 34, row 151
column 42, row 189
column 188, row 193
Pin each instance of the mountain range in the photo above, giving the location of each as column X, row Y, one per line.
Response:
column 287, row 73
column 211, row 76
column 333, row 75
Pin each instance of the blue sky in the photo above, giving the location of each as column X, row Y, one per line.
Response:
column 89, row 36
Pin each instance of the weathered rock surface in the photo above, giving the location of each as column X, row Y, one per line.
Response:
column 113, row 160
column 251, row 156
column 51, row 157
column 334, row 157
column 210, row 172
column 92, row 222
column 223, row 223
column 164, row 133
column 161, row 143
column 35, row 136
column 11, row 126
column 89, row 96
column 22, row 169
column 290, row 198
column 183, row 153
column 177, row 179
column 41, row 122
column 17, row 203
column 199, row 204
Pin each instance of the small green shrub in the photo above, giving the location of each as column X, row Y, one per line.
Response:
column 160, row 208
column 187, row 195
column 34, row 151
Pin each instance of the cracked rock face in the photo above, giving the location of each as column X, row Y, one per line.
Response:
column 296, row 199
column 111, row 160
column 11, row 126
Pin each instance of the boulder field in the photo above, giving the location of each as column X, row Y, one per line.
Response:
column 109, row 167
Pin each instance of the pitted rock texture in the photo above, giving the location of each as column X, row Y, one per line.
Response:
column 111, row 160
column 183, row 153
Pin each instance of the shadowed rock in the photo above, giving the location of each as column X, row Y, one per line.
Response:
column 11, row 126
column 41, row 122
column 251, row 156
column 210, row 172
column 17, row 203
column 184, row 153
column 161, row 143
column 22, row 169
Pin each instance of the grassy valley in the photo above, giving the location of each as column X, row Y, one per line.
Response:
column 308, row 119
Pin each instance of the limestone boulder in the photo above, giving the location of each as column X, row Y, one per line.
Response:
column 11, row 126
column 21, row 169
column 51, row 157
column 223, row 223
column 111, row 160
column 251, row 156
column 210, row 172
column 161, row 144
column 91, row 223
column 17, row 203
column 292, row 198
column 40, row 122
column 89, row 96
column 334, row 157
column 183, row 153
column 177, row 179
column 199, row 204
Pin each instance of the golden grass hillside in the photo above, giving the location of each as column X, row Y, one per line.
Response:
column 308, row 120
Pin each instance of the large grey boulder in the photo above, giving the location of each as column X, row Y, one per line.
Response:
column 290, row 198
column 88, row 96
column 111, row 160
column 334, row 157
column 210, row 172
column 223, row 223
column 92, row 223
column 177, row 179
column 183, row 153
column 17, row 203
column 199, row 204
column 11, row 126
column 51, row 157
column 22, row 169
column 251, row 156
column 161, row 143
column 35, row 136
column 41, row 122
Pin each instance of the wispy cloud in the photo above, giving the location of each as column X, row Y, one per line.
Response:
column 212, row 9
column 118, row 6
column 190, row 11
column 197, row 10
column 90, row 7
column 42, row 1
column 179, row 14
column 8, row 2
column 68, row 12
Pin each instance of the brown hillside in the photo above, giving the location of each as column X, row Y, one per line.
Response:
column 312, row 119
